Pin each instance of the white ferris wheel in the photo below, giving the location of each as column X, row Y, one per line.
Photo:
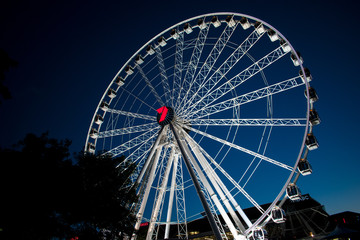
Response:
column 212, row 112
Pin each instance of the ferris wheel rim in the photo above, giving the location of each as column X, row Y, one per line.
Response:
column 266, row 213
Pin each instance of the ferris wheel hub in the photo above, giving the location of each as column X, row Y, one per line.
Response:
column 165, row 115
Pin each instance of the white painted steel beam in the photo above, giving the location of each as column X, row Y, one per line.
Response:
column 282, row 165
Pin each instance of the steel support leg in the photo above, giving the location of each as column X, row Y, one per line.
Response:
column 140, row 213
column 215, row 180
column 159, row 199
column 197, row 185
column 171, row 198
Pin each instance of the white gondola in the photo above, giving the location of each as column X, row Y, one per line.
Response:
column 162, row 41
column 215, row 21
column 111, row 93
column 150, row 50
column 245, row 23
column 139, row 59
column 272, row 35
column 308, row 76
column 304, row 167
column 311, row 142
column 258, row 234
column 230, row 21
column 295, row 60
column 91, row 148
column 187, row 28
column 99, row 119
column 119, row 81
column 201, row 23
column 314, row 118
column 94, row 133
column 293, row 192
column 278, row 215
column 104, row 106
column 313, row 95
column 259, row 27
column 129, row 70
column 285, row 46
column 174, row 34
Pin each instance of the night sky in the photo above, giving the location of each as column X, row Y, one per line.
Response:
column 69, row 51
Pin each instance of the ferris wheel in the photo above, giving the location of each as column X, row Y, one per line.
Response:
column 212, row 112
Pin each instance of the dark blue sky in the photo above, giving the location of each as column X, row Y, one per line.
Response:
column 69, row 51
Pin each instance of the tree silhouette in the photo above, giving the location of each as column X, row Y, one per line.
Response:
column 47, row 194
column 105, row 195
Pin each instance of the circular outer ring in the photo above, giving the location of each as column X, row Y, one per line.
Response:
column 166, row 121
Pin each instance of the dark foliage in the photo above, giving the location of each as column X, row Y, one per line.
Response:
column 44, row 193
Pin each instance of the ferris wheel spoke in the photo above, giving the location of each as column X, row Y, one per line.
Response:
column 178, row 67
column 240, row 78
column 163, row 75
column 133, row 142
column 131, row 114
column 138, row 157
column 210, row 61
column 127, row 130
column 148, row 83
column 137, row 98
column 252, row 153
column 288, row 122
column 194, row 61
column 229, row 63
column 141, row 151
column 246, row 98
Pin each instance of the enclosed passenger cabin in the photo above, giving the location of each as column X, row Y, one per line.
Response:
column 162, row 41
column 272, row 35
column 90, row 148
column 111, row 93
column 215, row 21
column 201, row 23
column 174, row 34
column 230, row 21
column 245, row 23
column 304, row 167
column 314, row 118
column 187, row 28
column 119, row 81
column 104, row 106
column 99, row 119
column 278, row 215
column 293, row 192
column 285, row 46
column 139, row 59
column 311, row 142
column 94, row 133
column 313, row 95
column 150, row 50
column 259, row 27
column 295, row 60
column 129, row 70
column 258, row 234
column 308, row 76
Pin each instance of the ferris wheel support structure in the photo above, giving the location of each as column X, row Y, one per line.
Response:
column 214, row 94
